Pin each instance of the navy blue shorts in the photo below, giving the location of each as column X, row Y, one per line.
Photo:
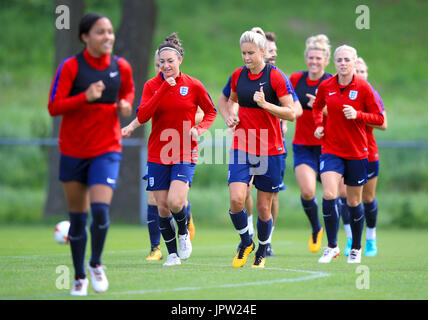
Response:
column 309, row 155
column 354, row 171
column 265, row 169
column 372, row 169
column 159, row 176
column 102, row 169
column 283, row 167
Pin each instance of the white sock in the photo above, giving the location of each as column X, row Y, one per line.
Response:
column 250, row 225
column 270, row 237
column 371, row 233
column 348, row 230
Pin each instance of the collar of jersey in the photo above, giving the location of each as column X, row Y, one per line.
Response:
column 100, row 63
column 176, row 79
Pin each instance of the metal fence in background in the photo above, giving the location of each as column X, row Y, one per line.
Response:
column 142, row 145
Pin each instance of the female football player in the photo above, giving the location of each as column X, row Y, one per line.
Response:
column 171, row 100
column 306, row 148
column 264, row 97
column 152, row 209
column 369, row 189
column 351, row 104
column 88, row 91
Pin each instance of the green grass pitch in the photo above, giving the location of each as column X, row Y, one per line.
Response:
column 30, row 259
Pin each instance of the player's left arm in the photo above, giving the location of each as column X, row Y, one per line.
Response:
column 206, row 104
column 199, row 115
column 384, row 125
column 127, row 89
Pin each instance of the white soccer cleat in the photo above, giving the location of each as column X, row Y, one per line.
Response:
column 184, row 246
column 329, row 254
column 354, row 256
column 80, row 287
column 172, row 260
column 98, row 279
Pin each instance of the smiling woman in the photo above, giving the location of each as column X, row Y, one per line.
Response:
column 171, row 100
column 85, row 91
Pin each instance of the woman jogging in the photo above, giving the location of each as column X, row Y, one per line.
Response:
column 88, row 91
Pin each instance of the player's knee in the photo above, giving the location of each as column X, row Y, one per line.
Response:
column 329, row 195
column 308, row 194
column 368, row 197
column 175, row 204
column 237, row 203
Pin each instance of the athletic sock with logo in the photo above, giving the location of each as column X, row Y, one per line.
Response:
column 264, row 229
column 311, row 209
column 167, row 229
column 188, row 211
column 357, row 224
column 344, row 212
column 153, row 225
column 330, row 212
column 370, row 211
column 99, row 227
column 78, row 237
column 240, row 222
column 180, row 218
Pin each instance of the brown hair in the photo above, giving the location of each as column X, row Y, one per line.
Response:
column 172, row 42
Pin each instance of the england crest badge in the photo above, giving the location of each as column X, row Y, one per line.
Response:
column 353, row 94
column 184, row 91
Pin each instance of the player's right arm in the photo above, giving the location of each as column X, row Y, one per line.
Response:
column 150, row 101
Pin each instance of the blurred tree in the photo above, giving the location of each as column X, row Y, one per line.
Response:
column 134, row 43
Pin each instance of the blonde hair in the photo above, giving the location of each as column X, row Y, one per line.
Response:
column 255, row 35
column 361, row 60
column 318, row 42
column 349, row 48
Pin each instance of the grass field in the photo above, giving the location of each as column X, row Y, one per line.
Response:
column 29, row 258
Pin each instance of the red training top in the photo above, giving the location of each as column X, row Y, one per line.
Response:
column 88, row 129
column 305, row 126
column 373, row 151
column 259, row 132
column 172, row 110
column 344, row 137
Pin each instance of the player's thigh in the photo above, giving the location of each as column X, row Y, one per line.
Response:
column 237, row 192
column 307, row 180
column 100, row 193
column 369, row 190
column 177, row 195
column 151, row 198
column 77, row 196
column 330, row 184
column 354, row 195
column 264, row 204
column 161, row 198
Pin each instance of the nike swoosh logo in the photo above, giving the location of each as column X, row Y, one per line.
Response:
column 356, row 220
column 360, row 181
column 181, row 176
column 331, row 93
column 113, row 74
column 370, row 175
column 262, row 83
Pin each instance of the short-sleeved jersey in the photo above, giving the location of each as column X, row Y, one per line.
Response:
column 172, row 111
column 259, row 132
column 372, row 145
column 305, row 126
column 346, row 138
column 89, row 129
